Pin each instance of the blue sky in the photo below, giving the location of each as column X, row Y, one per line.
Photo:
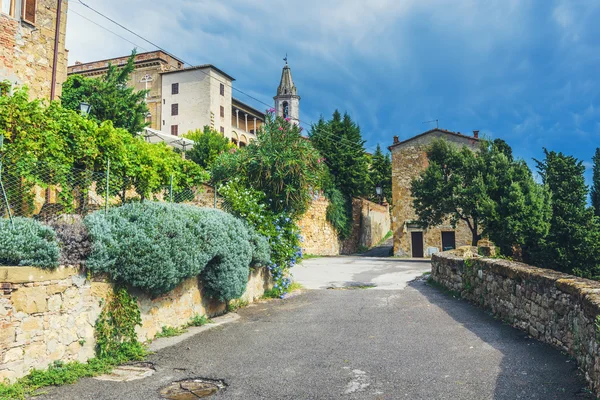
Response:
column 525, row 71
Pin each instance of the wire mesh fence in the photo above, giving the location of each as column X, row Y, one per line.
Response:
column 47, row 191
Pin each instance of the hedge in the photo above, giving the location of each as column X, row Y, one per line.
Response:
column 155, row 246
column 29, row 243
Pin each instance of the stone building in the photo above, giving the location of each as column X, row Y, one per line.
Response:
column 146, row 76
column 408, row 160
column 202, row 96
column 287, row 101
column 32, row 49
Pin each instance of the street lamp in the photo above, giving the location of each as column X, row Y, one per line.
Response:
column 379, row 191
column 85, row 108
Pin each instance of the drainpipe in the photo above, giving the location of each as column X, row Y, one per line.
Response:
column 55, row 60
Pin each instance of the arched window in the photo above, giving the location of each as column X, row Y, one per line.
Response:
column 286, row 109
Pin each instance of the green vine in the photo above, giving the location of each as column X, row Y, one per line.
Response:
column 468, row 285
column 115, row 329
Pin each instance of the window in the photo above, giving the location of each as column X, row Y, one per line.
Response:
column 222, row 130
column 286, row 109
column 174, row 130
column 163, row 122
column 28, row 11
column 164, row 101
column 222, row 90
column 222, row 111
column 175, row 109
column 175, row 88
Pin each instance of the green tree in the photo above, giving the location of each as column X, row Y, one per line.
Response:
column 110, row 97
column 381, row 173
column 340, row 142
column 451, row 188
column 595, row 192
column 572, row 244
column 208, row 145
column 280, row 163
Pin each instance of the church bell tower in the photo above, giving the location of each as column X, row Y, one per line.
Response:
column 287, row 101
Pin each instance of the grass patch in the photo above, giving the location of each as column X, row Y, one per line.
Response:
column 169, row 331
column 199, row 320
column 235, row 305
column 362, row 249
column 386, row 237
column 310, row 256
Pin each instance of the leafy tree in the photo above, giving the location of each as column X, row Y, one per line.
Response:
column 450, row 188
column 340, row 142
column 110, row 97
column 208, row 145
column 381, row 173
column 572, row 244
column 595, row 192
column 280, row 163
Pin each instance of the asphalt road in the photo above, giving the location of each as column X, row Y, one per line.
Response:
column 400, row 342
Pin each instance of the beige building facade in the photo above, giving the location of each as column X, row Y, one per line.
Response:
column 409, row 159
column 147, row 75
column 32, row 45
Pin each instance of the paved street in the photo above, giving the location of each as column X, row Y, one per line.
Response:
column 394, row 341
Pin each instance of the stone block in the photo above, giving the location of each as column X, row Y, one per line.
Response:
column 14, row 354
column 30, row 300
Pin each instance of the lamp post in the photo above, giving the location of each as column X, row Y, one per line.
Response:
column 85, row 108
column 379, row 191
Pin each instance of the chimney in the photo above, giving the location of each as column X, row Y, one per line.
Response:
column 396, row 140
column 476, row 134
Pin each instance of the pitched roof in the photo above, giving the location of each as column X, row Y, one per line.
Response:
column 286, row 85
column 444, row 131
column 203, row 66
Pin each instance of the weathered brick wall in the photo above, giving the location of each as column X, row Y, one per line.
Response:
column 27, row 52
column 553, row 307
column 48, row 316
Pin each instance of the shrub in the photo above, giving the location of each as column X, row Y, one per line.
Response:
column 261, row 251
column 74, row 242
column 28, row 242
column 155, row 246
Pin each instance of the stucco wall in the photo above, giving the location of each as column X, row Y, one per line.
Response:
column 27, row 51
column 550, row 306
column 408, row 161
column 48, row 316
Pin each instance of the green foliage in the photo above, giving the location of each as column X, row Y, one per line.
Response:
column 115, row 328
column 340, row 142
column 450, row 188
column 280, row 229
column 199, row 320
column 169, row 331
column 236, row 304
column 280, row 163
column 380, row 173
column 573, row 242
column 208, row 145
column 155, row 246
column 28, row 243
column 110, row 97
column 595, row 191
column 339, row 210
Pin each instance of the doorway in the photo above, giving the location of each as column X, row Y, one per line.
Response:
column 448, row 241
column 417, row 244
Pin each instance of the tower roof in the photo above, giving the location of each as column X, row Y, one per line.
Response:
column 286, row 86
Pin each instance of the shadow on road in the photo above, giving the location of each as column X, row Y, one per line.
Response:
column 529, row 369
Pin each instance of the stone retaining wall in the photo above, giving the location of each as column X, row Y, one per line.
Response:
column 47, row 316
column 552, row 307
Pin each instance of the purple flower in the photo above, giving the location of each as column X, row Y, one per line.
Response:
column 271, row 110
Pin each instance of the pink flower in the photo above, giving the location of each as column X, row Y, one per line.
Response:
column 280, row 128
column 271, row 110
column 319, row 161
column 288, row 119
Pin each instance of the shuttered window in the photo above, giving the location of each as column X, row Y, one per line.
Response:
column 222, row 130
column 175, row 88
column 29, row 8
column 174, row 130
column 222, row 111
column 175, row 109
column 222, row 90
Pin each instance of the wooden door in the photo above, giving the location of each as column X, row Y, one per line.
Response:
column 417, row 244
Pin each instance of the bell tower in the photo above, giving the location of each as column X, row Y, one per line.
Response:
column 287, row 101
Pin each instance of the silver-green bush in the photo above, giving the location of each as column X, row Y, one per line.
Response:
column 155, row 246
column 28, row 242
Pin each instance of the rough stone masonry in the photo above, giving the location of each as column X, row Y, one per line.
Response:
column 553, row 307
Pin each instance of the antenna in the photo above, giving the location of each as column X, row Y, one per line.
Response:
column 433, row 120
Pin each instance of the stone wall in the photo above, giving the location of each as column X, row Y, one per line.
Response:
column 550, row 306
column 27, row 51
column 47, row 316
column 371, row 222
column 409, row 159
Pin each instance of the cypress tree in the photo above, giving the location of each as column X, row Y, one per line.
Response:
column 596, row 183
